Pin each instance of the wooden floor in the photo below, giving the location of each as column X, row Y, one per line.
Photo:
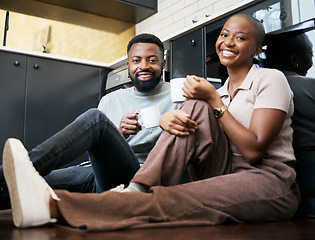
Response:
column 294, row 229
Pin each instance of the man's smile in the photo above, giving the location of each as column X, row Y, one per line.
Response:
column 144, row 76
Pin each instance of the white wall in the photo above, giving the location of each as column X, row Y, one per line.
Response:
column 174, row 15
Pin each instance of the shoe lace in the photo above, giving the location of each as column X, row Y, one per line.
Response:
column 43, row 181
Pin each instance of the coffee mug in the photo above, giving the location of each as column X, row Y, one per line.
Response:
column 177, row 90
column 149, row 117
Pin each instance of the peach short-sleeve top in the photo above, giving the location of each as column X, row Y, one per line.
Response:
column 263, row 88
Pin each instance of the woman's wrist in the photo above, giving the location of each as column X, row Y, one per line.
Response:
column 216, row 102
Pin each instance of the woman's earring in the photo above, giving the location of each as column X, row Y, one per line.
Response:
column 296, row 65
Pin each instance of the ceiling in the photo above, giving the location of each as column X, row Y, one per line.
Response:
column 132, row 11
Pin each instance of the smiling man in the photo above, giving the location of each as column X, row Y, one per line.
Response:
column 145, row 64
column 145, row 61
column 112, row 135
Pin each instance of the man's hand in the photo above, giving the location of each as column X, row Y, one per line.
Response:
column 129, row 124
column 177, row 122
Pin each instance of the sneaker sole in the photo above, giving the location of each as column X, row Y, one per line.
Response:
column 9, row 171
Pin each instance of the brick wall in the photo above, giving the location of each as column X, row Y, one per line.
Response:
column 174, row 15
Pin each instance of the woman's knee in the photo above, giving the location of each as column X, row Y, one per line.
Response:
column 197, row 108
column 195, row 103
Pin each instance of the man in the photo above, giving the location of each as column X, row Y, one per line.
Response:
column 107, row 141
column 293, row 56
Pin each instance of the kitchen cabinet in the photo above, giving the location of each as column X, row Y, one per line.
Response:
column 42, row 95
column 12, row 93
column 187, row 55
column 132, row 11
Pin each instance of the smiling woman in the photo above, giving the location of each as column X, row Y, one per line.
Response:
column 236, row 46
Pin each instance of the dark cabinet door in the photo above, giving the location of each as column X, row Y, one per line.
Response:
column 57, row 92
column 151, row 4
column 187, row 55
column 12, row 92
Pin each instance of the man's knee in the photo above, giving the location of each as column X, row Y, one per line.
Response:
column 95, row 113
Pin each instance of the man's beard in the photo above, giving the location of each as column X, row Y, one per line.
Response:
column 145, row 86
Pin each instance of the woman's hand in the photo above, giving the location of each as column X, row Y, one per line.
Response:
column 177, row 122
column 199, row 88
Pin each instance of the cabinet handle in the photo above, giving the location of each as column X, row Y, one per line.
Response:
column 36, row 66
column 16, row 63
column 193, row 42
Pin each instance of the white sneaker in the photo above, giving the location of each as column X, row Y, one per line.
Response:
column 29, row 192
column 119, row 188
column 132, row 187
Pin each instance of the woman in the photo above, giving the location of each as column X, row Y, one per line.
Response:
column 239, row 158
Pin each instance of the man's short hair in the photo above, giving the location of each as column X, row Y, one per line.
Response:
column 146, row 38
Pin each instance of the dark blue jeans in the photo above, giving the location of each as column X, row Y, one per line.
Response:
column 113, row 161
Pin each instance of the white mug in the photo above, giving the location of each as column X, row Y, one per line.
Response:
column 177, row 90
column 149, row 117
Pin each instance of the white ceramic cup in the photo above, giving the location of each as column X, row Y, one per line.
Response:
column 149, row 117
column 177, row 90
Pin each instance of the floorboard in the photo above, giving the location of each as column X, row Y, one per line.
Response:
column 301, row 228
